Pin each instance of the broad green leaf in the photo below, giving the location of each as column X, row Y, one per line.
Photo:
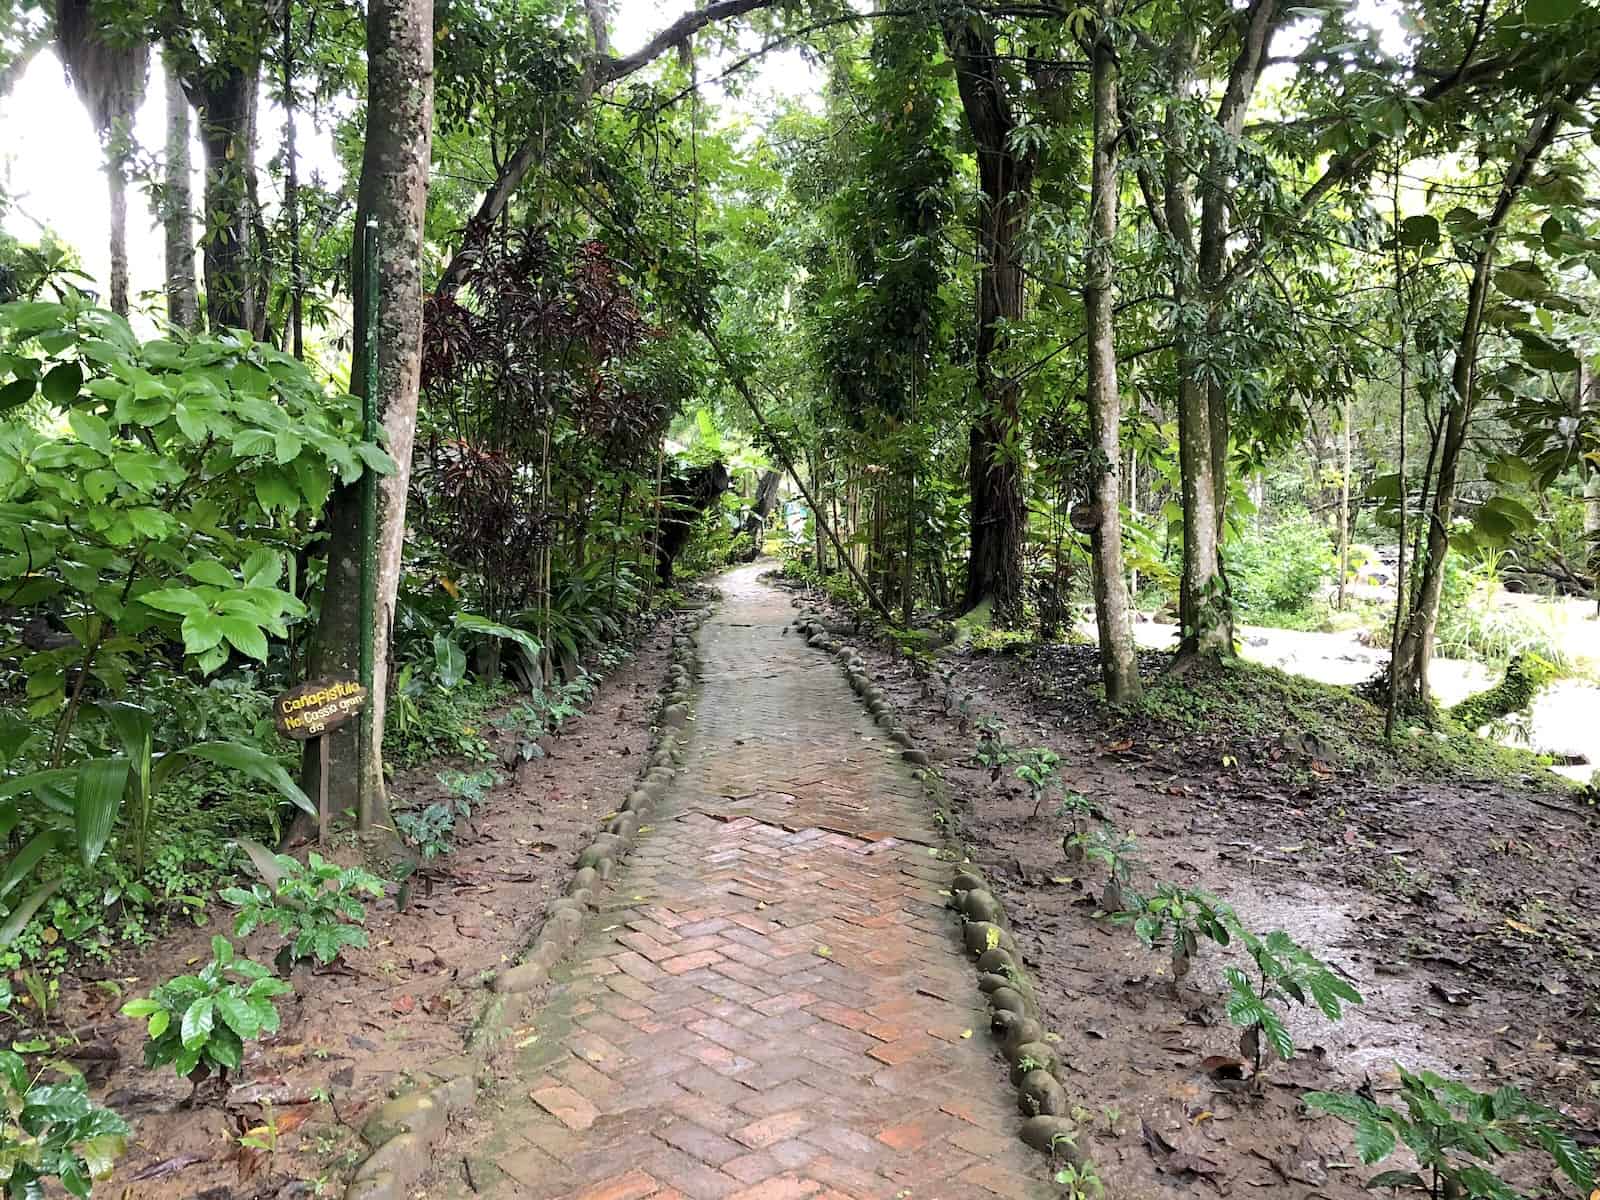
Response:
column 198, row 1019
column 257, row 766
column 101, row 785
column 17, row 919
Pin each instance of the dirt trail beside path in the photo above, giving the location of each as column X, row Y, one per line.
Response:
column 772, row 1001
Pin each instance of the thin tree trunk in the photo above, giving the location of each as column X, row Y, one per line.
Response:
column 291, row 190
column 393, row 190
column 117, row 183
column 1589, row 402
column 1119, row 667
column 1344, row 508
column 1415, row 650
column 177, row 208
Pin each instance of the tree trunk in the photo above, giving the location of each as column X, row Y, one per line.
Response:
column 393, row 190
column 1415, row 651
column 1204, row 614
column 1344, row 508
column 1119, row 668
column 226, row 102
column 1589, row 402
column 117, row 183
column 177, row 208
column 998, row 514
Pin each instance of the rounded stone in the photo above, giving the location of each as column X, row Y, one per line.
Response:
column 584, row 880
column 1009, row 999
column 989, row 982
column 675, row 716
column 1041, row 1055
column 582, row 895
column 965, row 881
column 900, row 738
column 624, row 825
column 1038, row 1093
column 997, row 960
column 606, row 867
column 979, row 904
column 1055, row 1136
column 981, row 935
column 1017, row 1030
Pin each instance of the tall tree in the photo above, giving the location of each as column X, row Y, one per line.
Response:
column 216, row 51
column 1119, row 667
column 998, row 513
column 177, row 207
column 393, row 191
column 107, row 68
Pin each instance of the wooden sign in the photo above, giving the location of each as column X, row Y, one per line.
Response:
column 317, row 707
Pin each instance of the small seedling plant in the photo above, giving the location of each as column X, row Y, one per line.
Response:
column 316, row 905
column 200, row 1023
column 1179, row 917
column 1080, row 1180
column 992, row 750
column 1287, row 973
column 1457, row 1135
column 49, row 1127
column 1112, row 849
column 467, row 788
column 429, row 831
column 1040, row 769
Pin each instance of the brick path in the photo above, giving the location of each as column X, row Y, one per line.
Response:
column 772, row 1004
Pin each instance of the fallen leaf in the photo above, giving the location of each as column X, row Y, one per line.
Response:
column 824, row 952
column 1521, row 928
column 405, row 1004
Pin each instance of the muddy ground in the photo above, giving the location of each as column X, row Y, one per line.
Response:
column 1467, row 914
column 351, row 1033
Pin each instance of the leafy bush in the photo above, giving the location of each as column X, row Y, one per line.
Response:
column 1278, row 570
column 199, row 1023
column 1474, row 625
column 51, row 1130
column 316, row 905
column 428, row 831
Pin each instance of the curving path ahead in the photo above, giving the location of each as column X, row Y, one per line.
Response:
column 771, row 1003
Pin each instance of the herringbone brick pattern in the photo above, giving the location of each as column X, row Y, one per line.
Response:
column 773, row 1003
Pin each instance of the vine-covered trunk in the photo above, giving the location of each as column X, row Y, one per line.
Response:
column 1118, row 666
column 177, row 209
column 998, row 514
column 226, row 104
column 393, row 191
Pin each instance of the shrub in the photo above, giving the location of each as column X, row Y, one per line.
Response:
column 1279, row 569
column 317, row 906
column 199, row 1023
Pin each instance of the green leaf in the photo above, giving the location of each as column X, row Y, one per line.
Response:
column 101, row 784
column 16, row 393
column 90, row 429
column 17, row 919
column 1550, row 12
column 257, row 766
column 141, row 1008
column 239, row 1014
column 179, row 601
column 198, row 1019
column 1419, row 231
column 24, row 862
column 245, row 636
column 160, row 1022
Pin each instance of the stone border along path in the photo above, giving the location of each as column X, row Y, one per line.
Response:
column 771, row 1002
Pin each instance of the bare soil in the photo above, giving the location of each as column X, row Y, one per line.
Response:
column 351, row 1033
column 1464, row 910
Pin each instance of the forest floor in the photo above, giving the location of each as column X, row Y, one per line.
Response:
column 353, row 1031
column 1454, row 885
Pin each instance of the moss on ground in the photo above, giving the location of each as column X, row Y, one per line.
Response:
column 1253, row 701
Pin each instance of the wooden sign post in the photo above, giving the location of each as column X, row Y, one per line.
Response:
column 313, row 710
